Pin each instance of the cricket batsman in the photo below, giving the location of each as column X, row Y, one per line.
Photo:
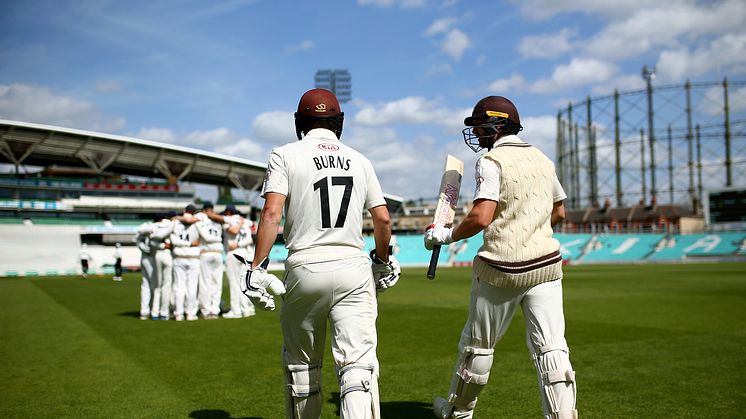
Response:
column 517, row 201
column 324, row 186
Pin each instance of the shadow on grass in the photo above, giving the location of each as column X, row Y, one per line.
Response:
column 394, row 410
column 215, row 414
column 135, row 314
column 406, row 409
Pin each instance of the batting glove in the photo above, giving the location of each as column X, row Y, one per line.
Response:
column 385, row 274
column 259, row 285
column 437, row 234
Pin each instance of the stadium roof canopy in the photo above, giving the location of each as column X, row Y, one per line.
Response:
column 46, row 145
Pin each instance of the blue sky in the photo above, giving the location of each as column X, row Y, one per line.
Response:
column 227, row 76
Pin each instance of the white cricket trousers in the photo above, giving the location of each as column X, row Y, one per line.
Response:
column 210, row 282
column 149, row 285
column 185, row 282
column 341, row 292
column 164, row 269
column 240, row 304
column 490, row 312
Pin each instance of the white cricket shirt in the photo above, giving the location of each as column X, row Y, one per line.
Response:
column 327, row 186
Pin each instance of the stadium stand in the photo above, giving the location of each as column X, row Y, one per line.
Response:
column 110, row 184
column 620, row 247
column 572, row 245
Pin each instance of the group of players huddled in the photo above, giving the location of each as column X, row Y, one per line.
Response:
column 183, row 260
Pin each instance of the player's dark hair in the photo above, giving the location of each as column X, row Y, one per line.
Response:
column 511, row 127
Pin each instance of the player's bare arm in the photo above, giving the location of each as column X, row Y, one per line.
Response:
column 268, row 224
column 185, row 220
column 214, row 216
column 558, row 213
column 480, row 216
column 381, row 230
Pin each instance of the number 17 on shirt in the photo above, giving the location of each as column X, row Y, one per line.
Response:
column 445, row 211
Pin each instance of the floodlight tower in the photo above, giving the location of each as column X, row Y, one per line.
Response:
column 338, row 82
column 649, row 74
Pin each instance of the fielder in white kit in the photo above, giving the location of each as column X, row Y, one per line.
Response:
column 147, row 270
column 211, row 263
column 163, row 267
column 185, row 250
column 324, row 187
column 237, row 241
column 517, row 201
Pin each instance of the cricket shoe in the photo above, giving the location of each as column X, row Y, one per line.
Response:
column 144, row 317
column 117, row 278
column 179, row 318
column 444, row 410
column 231, row 315
column 191, row 318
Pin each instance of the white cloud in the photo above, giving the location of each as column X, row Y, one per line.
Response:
column 579, row 72
column 38, row 104
column 666, row 26
column 219, row 140
column 622, row 82
column 302, row 46
column 512, row 83
column 163, row 135
column 244, row 148
column 275, row 127
column 714, row 101
column 404, row 4
column 722, row 54
column 399, row 165
column 545, row 9
column 547, row 45
column 208, row 140
column 541, row 132
column 410, row 110
column 440, row 26
column 455, row 43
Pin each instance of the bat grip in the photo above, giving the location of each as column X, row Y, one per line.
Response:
column 433, row 262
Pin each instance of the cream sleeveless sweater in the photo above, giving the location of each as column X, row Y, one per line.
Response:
column 519, row 250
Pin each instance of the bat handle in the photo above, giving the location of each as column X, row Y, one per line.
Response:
column 433, row 262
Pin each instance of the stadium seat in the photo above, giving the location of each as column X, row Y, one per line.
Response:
column 572, row 245
column 621, row 247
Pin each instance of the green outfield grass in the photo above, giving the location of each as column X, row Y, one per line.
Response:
column 652, row 341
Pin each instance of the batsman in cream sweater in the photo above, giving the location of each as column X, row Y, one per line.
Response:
column 518, row 199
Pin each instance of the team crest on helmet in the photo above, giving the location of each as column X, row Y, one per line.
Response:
column 321, row 107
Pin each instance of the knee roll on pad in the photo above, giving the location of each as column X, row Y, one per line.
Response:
column 557, row 381
column 472, row 374
column 355, row 377
column 303, row 396
column 303, row 380
column 358, row 393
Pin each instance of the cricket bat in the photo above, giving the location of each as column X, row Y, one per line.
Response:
column 445, row 211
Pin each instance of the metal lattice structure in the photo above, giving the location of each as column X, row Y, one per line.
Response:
column 663, row 144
